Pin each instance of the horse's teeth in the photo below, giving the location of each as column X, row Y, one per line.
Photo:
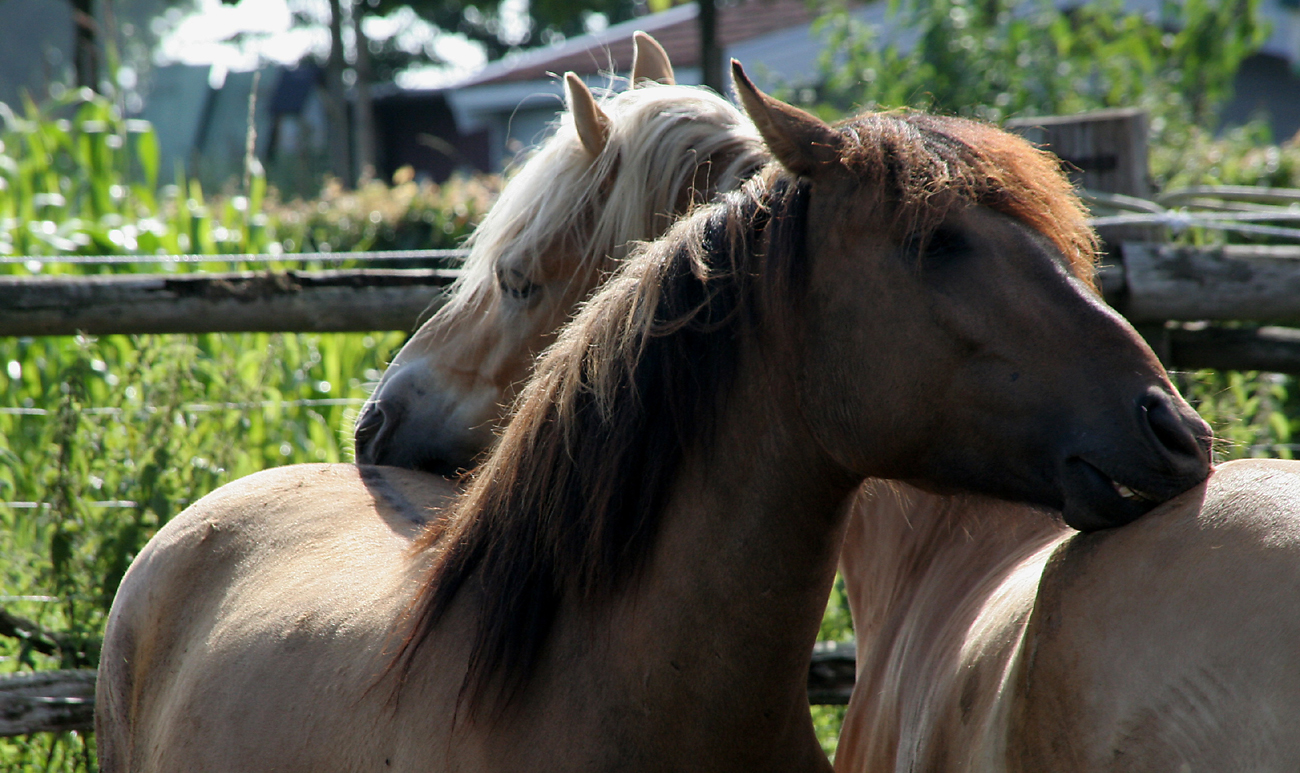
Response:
column 1127, row 492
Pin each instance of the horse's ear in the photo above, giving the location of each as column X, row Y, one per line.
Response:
column 650, row 61
column 590, row 121
column 802, row 142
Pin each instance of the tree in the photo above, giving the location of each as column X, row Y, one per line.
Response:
column 999, row 58
column 710, row 50
column 481, row 20
column 85, row 54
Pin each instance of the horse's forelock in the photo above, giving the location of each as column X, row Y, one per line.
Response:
column 926, row 162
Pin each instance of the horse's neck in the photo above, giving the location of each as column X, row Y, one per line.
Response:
column 939, row 588
column 721, row 626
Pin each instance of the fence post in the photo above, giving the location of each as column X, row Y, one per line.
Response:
column 1106, row 151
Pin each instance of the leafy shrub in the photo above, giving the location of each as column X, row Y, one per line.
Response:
column 404, row 216
column 1027, row 57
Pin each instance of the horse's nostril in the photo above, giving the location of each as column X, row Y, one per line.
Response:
column 368, row 426
column 1178, row 434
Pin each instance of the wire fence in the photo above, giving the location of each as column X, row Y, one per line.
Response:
column 204, row 407
column 35, row 263
column 1238, row 209
column 1229, row 208
column 188, row 407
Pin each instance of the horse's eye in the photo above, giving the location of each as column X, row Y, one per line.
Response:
column 514, row 284
column 945, row 244
column 940, row 246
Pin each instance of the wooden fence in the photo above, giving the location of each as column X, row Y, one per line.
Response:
column 1149, row 283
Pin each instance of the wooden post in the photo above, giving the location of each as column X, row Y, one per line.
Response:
column 1105, row 150
column 710, row 51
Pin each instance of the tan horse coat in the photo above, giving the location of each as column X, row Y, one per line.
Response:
column 991, row 638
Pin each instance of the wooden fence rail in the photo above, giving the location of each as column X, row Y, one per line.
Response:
column 45, row 701
column 248, row 301
column 1148, row 283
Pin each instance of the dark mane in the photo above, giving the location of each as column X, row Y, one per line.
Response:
column 567, row 506
column 568, row 503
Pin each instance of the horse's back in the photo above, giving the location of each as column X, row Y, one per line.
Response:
column 1172, row 643
column 208, row 631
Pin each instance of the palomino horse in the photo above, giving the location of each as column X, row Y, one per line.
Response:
column 614, row 173
column 635, row 577
column 992, row 638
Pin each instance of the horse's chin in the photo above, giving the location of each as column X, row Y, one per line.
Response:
column 445, row 468
column 1094, row 500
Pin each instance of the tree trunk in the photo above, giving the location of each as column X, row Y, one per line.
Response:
column 710, row 52
column 366, row 142
column 85, row 55
column 336, row 101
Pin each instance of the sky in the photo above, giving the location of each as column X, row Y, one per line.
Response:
column 255, row 33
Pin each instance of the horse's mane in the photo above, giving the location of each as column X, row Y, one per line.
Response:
column 567, row 506
column 658, row 136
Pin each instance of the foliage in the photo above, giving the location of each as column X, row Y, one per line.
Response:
column 103, row 441
column 482, row 21
column 78, row 179
column 404, row 216
column 1243, row 155
column 1000, row 58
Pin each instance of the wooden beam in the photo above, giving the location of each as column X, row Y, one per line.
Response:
column 47, row 701
column 280, row 301
column 832, row 674
column 1272, row 349
column 1234, row 282
column 1150, row 284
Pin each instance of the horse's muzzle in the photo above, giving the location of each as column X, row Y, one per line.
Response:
column 1111, row 485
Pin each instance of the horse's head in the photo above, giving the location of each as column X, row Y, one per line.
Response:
column 615, row 172
column 960, row 294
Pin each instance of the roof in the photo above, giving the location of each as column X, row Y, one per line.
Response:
column 676, row 30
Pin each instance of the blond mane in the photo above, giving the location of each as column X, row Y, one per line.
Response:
column 658, row 137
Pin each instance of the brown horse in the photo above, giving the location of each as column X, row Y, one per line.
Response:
column 615, row 172
column 635, row 577
column 993, row 638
